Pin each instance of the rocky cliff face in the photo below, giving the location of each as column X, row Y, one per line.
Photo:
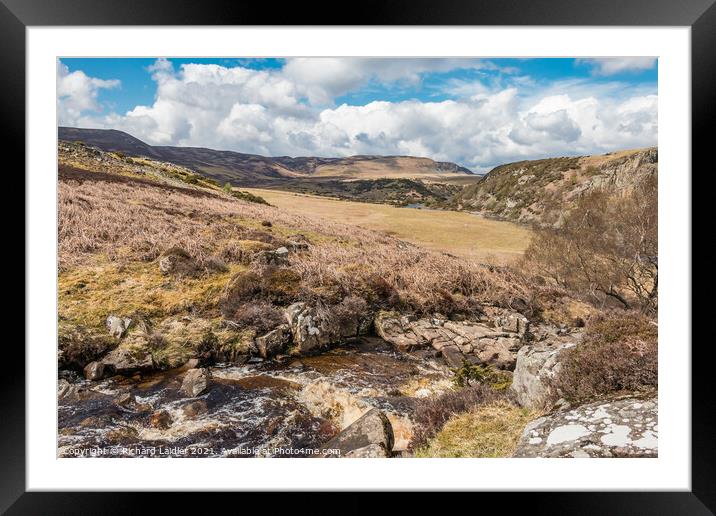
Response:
column 540, row 191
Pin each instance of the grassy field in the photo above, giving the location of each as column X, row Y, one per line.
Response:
column 457, row 233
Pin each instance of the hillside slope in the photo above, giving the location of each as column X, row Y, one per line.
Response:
column 540, row 191
column 183, row 258
column 253, row 170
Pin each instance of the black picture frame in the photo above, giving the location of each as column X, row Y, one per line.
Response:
column 700, row 15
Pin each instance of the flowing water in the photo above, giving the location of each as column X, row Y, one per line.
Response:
column 287, row 408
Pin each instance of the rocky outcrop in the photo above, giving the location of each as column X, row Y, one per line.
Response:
column 127, row 361
column 541, row 191
column 536, row 366
column 619, row 428
column 370, row 436
column 277, row 257
column 196, row 382
column 94, row 371
column 274, row 342
column 313, row 330
column 78, row 346
column 458, row 341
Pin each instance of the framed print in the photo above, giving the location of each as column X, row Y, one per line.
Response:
column 425, row 245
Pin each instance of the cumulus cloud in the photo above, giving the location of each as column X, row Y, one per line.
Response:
column 615, row 65
column 291, row 111
column 328, row 78
column 77, row 93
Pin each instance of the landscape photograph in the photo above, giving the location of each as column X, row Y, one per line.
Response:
column 346, row 257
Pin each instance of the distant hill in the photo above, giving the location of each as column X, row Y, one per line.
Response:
column 253, row 170
column 540, row 191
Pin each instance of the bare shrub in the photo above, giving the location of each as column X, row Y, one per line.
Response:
column 431, row 414
column 606, row 249
column 410, row 277
column 348, row 308
column 618, row 353
column 261, row 316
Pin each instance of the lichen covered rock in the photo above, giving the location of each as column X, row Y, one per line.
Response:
column 536, row 366
column 620, row 428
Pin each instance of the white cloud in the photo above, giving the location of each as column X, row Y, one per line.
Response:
column 327, row 78
column 290, row 111
column 614, row 65
column 77, row 93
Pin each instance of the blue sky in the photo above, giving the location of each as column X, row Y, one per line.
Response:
column 477, row 112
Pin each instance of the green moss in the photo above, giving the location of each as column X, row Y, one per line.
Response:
column 468, row 375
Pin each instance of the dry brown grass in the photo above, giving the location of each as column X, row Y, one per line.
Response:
column 122, row 222
column 462, row 234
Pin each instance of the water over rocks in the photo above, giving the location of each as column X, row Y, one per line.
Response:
column 250, row 410
column 316, row 383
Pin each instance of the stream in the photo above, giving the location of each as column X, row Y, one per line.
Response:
column 272, row 409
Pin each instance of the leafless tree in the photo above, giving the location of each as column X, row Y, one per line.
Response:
column 606, row 248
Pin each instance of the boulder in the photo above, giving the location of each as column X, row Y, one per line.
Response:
column 69, row 391
column 369, row 436
column 160, row 419
column 535, row 367
column 313, row 330
column 94, row 371
column 309, row 332
column 176, row 261
column 126, row 361
column 276, row 257
column 125, row 400
column 297, row 246
column 626, row 427
column 117, row 326
column 274, row 342
column 196, row 382
column 192, row 363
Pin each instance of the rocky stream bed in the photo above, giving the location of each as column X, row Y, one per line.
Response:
column 266, row 408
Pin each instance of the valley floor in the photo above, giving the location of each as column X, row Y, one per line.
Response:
column 462, row 234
